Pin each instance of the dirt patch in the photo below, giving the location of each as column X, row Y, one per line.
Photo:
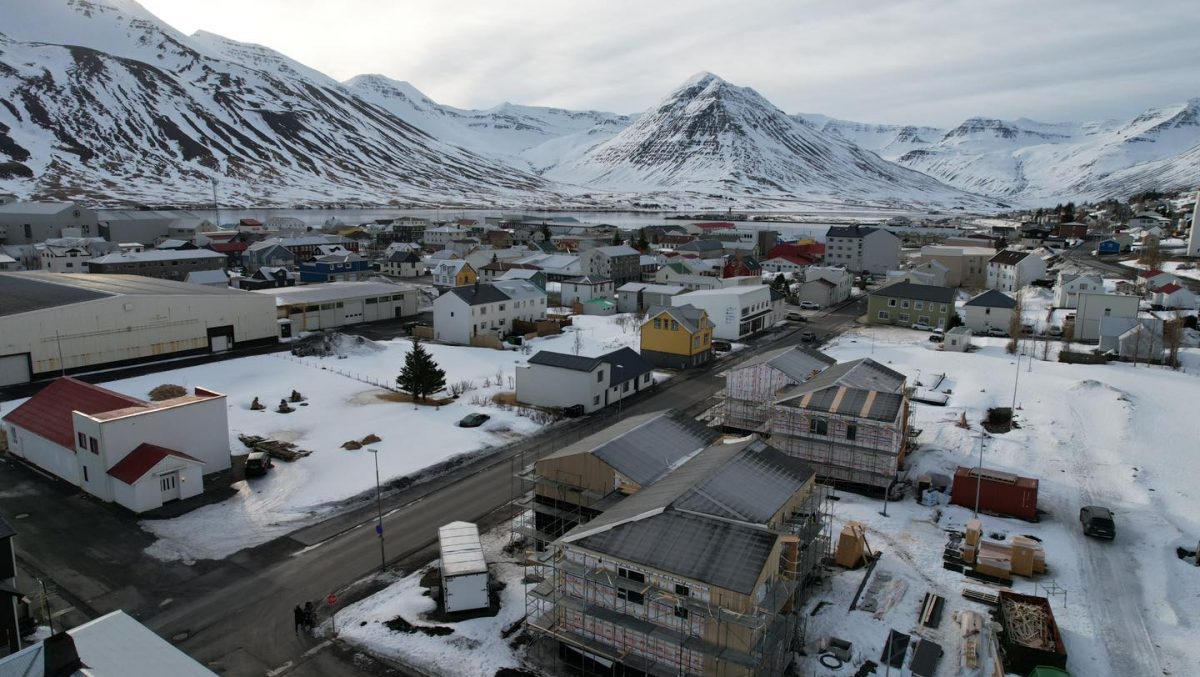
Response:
column 167, row 391
column 352, row 445
column 999, row 420
column 505, row 398
column 371, row 439
column 406, row 398
column 398, row 624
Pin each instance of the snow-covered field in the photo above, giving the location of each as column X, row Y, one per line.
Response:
column 476, row 648
column 1113, row 435
column 343, row 405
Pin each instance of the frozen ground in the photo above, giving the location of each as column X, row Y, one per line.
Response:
column 1114, row 435
column 476, row 647
column 343, row 405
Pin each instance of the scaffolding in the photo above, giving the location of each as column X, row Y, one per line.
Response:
column 588, row 619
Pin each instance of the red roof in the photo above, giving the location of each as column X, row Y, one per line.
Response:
column 798, row 259
column 715, row 225
column 250, row 222
column 1147, row 274
column 810, row 249
column 1169, row 288
column 226, row 247
column 139, row 461
column 48, row 413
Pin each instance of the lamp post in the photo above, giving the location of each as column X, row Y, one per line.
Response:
column 978, row 476
column 379, row 509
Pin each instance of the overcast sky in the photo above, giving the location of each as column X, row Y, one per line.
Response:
column 917, row 61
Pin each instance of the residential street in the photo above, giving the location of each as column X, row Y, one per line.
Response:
column 234, row 615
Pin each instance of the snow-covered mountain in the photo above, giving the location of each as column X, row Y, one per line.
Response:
column 102, row 101
column 709, row 136
column 887, row 141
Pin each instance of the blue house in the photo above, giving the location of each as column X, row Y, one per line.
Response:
column 1114, row 245
column 341, row 267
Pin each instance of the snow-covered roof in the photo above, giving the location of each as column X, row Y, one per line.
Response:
column 39, row 208
column 158, row 255
column 331, row 291
column 461, row 550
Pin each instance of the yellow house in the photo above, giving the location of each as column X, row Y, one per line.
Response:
column 456, row 273
column 677, row 337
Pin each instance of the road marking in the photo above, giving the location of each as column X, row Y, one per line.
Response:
column 60, row 612
column 315, row 649
column 166, row 602
column 280, row 670
column 288, row 666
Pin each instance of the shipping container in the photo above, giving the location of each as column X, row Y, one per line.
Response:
column 464, row 569
column 1000, row 493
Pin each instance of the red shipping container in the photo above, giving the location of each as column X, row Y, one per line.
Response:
column 1000, row 492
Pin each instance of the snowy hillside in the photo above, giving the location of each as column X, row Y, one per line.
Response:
column 104, row 102
column 711, row 136
column 887, row 141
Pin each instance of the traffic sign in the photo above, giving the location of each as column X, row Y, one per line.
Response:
column 379, row 529
column 331, row 599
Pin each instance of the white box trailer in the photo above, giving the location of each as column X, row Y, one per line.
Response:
column 464, row 570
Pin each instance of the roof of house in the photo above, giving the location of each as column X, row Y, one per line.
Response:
column 157, row 255
column 691, row 318
column 738, row 290
column 207, row 277
column 331, row 291
column 625, row 363
column 22, row 292
column 404, row 256
column 992, row 298
column 797, row 259
column 618, row 250
column 589, row 279
column 40, row 208
column 634, row 287
column 850, row 231
column 1149, row 273
column 144, row 457
column 796, row 362
column 1169, row 288
column 479, row 293
column 519, row 290
column 48, row 413
column 862, row 388
column 1009, row 257
column 520, row 274
column 919, row 292
column 750, row 487
column 701, row 246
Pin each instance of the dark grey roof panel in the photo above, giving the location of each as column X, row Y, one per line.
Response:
column 864, row 373
column 478, row 294
column 564, row 360
column 884, row 406
column 705, row 549
column 1009, row 257
column 646, row 452
column 919, row 292
column 993, row 299
column 626, row 364
column 24, row 293
column 850, row 231
column 752, row 487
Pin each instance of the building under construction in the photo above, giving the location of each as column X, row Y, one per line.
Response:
column 751, row 387
column 659, row 549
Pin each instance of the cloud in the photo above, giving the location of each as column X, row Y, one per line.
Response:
column 915, row 61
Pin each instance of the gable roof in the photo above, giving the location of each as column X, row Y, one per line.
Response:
column 1009, row 257
column 690, row 317
column 404, row 256
column 1169, row 288
column 796, row 362
column 864, row 374
column 850, row 231
column 919, row 292
column 751, row 487
column 992, row 298
column 626, row 364
column 479, row 293
column 144, row 457
column 551, row 358
column 48, row 413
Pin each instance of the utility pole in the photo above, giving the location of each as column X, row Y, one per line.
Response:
column 379, row 509
column 978, row 476
column 1012, row 415
column 216, row 205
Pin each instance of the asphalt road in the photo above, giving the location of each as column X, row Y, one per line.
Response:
column 236, row 620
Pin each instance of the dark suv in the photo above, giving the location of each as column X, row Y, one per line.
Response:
column 1097, row 521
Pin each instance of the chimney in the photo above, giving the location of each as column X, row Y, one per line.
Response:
column 61, row 658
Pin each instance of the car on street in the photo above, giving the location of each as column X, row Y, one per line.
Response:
column 573, row 411
column 936, row 338
column 1097, row 521
column 722, row 346
column 257, row 464
column 921, row 326
column 795, row 316
column 997, row 332
column 808, row 337
column 809, row 305
column 473, row 420
column 1055, row 330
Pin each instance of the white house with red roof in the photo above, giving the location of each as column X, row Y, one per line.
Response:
column 120, row 448
column 1174, row 295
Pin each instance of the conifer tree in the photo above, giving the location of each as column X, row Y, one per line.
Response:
column 420, row 376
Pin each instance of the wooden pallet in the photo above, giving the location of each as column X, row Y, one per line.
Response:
column 981, row 596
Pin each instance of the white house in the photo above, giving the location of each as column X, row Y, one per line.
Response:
column 1070, row 285
column 586, row 288
column 932, row 273
column 736, row 312
column 402, row 263
column 72, row 259
column 1012, row 270
column 1093, row 308
column 436, row 238
column 824, row 285
column 486, row 309
column 862, row 249
column 1147, row 220
column 989, row 310
column 551, row 379
column 119, row 448
column 635, row 296
column 1174, row 296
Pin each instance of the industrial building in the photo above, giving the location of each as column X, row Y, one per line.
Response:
column 751, row 386
column 32, row 222
column 337, row 304
column 691, row 556
column 165, row 264
column 52, row 322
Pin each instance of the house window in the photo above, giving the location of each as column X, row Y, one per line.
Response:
column 674, row 325
column 635, row 576
column 919, row 305
column 943, row 307
column 851, row 431
column 681, row 612
column 905, row 317
column 631, row 596
column 904, row 303
column 82, row 441
column 892, row 303
column 818, row 426
column 625, row 387
column 682, row 590
column 923, row 319
column 600, row 376
column 657, row 323
column 883, row 315
column 95, row 445
column 596, row 400
column 645, row 378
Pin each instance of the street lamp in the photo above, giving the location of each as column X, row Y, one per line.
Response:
column 379, row 509
column 978, row 476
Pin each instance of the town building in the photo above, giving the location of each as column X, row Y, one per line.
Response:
column 440, row 236
column 619, row 263
column 989, row 310
column 1092, row 308
column 1174, row 296
column 121, row 449
column 787, row 263
column 850, row 423
column 824, row 285
column 751, row 387
column 52, row 322
column 265, row 278
column 1117, row 244
column 965, row 266
column 551, row 379
column 8, row 263
column 148, row 226
column 676, row 337
column 957, row 340
column 338, row 304
column 33, row 222
column 634, row 297
column 1145, row 220
column 164, row 264
column 485, row 312
column 1193, row 237
column 447, row 274
column 1133, row 338
column 585, row 288
column 340, row 267
column 905, row 304
column 533, row 275
column 1012, row 270
column 736, row 312
column 64, row 259
column 862, row 249
column 1068, row 286
column 402, row 264
column 208, row 278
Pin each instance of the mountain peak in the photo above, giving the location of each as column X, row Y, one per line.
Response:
column 701, row 79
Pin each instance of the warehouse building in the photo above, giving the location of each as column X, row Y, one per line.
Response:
column 31, row 222
column 337, row 304
column 54, row 322
column 167, row 264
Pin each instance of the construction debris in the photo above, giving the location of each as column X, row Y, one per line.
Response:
column 284, row 451
column 925, row 658
column 992, row 561
column 895, row 649
column 853, row 550
column 931, row 610
column 1029, row 633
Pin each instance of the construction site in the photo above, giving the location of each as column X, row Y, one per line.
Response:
column 660, row 547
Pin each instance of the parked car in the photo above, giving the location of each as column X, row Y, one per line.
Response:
column 722, row 346
column 473, row 420
column 921, row 326
column 573, row 411
column 808, row 337
column 1027, row 328
column 997, row 332
column 810, row 305
column 257, row 464
column 795, row 316
column 936, row 338
column 1097, row 521
column 1055, row 330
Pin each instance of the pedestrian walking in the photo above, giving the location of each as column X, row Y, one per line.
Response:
column 298, row 617
column 310, row 616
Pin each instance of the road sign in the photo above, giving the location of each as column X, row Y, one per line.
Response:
column 331, row 599
column 379, row 529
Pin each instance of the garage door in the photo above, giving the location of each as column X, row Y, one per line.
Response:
column 14, row 369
